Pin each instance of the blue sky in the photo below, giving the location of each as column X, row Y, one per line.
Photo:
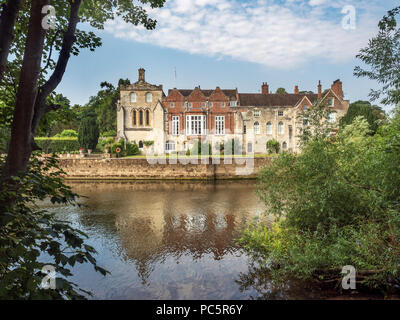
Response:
column 233, row 44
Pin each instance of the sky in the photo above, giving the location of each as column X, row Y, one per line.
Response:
column 235, row 44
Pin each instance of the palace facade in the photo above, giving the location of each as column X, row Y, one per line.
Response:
column 174, row 122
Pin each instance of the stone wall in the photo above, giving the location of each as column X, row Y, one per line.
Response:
column 131, row 169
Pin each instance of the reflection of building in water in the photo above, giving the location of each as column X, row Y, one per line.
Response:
column 188, row 218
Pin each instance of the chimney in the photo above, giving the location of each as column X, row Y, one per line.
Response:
column 296, row 90
column 265, row 88
column 337, row 88
column 319, row 90
column 141, row 74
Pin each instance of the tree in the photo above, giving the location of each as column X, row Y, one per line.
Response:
column 373, row 114
column 273, row 146
column 88, row 132
column 281, row 91
column 382, row 56
column 32, row 44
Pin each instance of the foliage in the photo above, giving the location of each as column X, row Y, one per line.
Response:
column 69, row 133
column 382, row 55
column 88, row 131
column 127, row 148
column 373, row 114
column 273, row 146
column 107, row 134
column 337, row 203
column 281, row 91
column 57, row 144
column 31, row 238
column 148, row 143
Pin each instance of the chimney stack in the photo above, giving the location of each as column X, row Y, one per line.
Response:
column 319, row 90
column 337, row 88
column 296, row 90
column 141, row 74
column 265, row 88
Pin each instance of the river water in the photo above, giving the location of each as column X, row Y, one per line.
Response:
column 171, row 240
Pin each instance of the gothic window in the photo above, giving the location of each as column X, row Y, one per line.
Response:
column 281, row 129
column 256, row 127
column 140, row 117
column 269, row 128
column 147, row 117
column 284, row 146
column 140, row 144
column 134, row 119
column 149, row 97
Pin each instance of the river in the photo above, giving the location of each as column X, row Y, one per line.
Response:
column 171, row 240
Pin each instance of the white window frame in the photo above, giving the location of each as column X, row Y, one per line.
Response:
column 170, row 146
column 256, row 127
column 195, row 125
column 281, row 128
column 220, row 125
column 269, row 127
column 233, row 103
column 280, row 113
column 175, row 125
column 256, row 113
column 149, row 97
column 331, row 102
column 172, row 105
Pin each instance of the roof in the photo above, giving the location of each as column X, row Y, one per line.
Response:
column 230, row 93
column 273, row 99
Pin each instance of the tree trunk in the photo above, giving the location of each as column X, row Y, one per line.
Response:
column 20, row 144
column 45, row 90
column 7, row 22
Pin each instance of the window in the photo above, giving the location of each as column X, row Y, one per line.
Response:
column 284, row 146
column 175, row 125
column 249, row 147
column 233, row 103
column 149, row 97
column 203, row 105
column 330, row 102
column 257, row 113
column 147, row 117
column 141, row 117
column 305, row 108
column 195, row 125
column 183, row 104
column 244, row 129
column 281, row 129
column 220, row 125
column 134, row 120
column 280, row 113
column 210, row 104
column 332, row 117
column 170, row 146
column 133, row 97
column 256, row 128
column 172, row 105
column 223, row 104
column 140, row 144
column 269, row 128
column 190, row 105
column 305, row 122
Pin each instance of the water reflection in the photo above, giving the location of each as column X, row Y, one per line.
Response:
column 167, row 240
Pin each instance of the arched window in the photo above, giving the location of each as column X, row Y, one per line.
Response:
column 133, row 97
column 147, row 117
column 256, row 127
column 134, row 118
column 141, row 117
column 269, row 128
column 140, row 144
column 149, row 97
column 284, row 146
column 281, row 129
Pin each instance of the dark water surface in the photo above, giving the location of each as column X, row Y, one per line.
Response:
column 171, row 240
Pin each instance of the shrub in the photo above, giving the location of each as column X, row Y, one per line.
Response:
column 127, row 149
column 273, row 146
column 111, row 133
column 69, row 133
column 57, row 145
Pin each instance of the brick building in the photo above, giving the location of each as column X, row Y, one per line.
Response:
column 177, row 120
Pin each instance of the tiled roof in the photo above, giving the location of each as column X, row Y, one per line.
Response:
column 272, row 100
column 230, row 93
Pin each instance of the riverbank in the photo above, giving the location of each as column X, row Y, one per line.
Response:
column 162, row 169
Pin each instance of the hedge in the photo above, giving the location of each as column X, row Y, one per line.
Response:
column 57, row 145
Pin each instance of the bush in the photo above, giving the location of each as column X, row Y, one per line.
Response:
column 69, row 133
column 273, row 146
column 337, row 203
column 57, row 145
column 127, row 149
column 107, row 134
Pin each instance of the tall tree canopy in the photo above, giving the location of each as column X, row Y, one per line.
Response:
column 34, row 59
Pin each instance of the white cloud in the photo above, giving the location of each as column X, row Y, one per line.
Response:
column 263, row 32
